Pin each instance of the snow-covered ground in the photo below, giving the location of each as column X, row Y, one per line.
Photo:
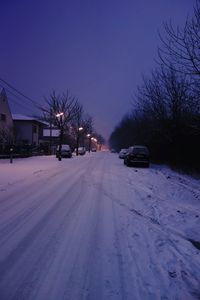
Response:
column 91, row 228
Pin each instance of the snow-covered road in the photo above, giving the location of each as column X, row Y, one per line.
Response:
column 91, row 228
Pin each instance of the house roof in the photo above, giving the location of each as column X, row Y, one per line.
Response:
column 20, row 117
column 3, row 95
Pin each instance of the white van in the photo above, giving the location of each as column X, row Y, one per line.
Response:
column 65, row 151
column 81, row 150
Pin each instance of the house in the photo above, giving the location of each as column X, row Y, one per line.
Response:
column 6, row 122
column 28, row 130
column 19, row 130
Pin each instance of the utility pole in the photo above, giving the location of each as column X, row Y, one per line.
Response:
column 60, row 116
column 50, row 130
column 89, row 146
column 78, row 138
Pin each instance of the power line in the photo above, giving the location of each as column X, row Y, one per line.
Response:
column 16, row 100
column 37, row 105
column 20, row 93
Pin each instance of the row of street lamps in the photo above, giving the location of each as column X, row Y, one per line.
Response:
column 91, row 139
column 60, row 115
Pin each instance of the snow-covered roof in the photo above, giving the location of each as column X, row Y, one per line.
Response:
column 20, row 117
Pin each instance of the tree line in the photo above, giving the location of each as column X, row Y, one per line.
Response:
column 166, row 109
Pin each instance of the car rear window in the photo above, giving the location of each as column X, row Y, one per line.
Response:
column 140, row 150
column 64, row 147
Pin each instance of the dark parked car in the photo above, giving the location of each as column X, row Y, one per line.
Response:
column 65, row 151
column 137, row 155
column 113, row 151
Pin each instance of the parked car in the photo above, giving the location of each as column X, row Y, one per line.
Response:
column 65, row 151
column 137, row 155
column 113, row 151
column 122, row 153
column 94, row 149
column 81, row 150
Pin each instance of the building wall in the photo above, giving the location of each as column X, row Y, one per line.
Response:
column 26, row 132
column 6, row 122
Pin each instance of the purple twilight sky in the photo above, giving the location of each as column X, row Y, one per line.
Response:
column 97, row 49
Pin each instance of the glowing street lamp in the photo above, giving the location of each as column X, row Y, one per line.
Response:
column 95, row 142
column 78, row 138
column 60, row 115
column 90, row 137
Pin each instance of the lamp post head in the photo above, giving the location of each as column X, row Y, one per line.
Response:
column 59, row 114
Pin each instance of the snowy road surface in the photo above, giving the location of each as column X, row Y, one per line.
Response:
column 91, row 228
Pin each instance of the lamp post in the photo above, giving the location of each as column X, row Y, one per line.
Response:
column 60, row 115
column 89, row 137
column 94, row 141
column 78, row 138
column 50, row 150
column 11, row 155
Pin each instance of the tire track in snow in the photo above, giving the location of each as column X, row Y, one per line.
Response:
column 22, row 217
column 67, row 259
column 9, row 196
column 10, row 264
column 29, row 202
column 47, row 252
column 88, row 258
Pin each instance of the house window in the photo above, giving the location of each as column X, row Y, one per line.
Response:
column 3, row 117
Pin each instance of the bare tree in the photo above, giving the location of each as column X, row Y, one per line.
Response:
column 60, row 110
column 88, row 124
column 166, row 98
column 56, row 104
column 165, row 118
column 180, row 48
column 150, row 97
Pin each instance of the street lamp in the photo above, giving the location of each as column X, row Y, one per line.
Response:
column 78, row 137
column 94, row 141
column 89, row 136
column 60, row 115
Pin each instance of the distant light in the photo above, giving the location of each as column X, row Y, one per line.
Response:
column 59, row 114
column 80, row 128
column 88, row 135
